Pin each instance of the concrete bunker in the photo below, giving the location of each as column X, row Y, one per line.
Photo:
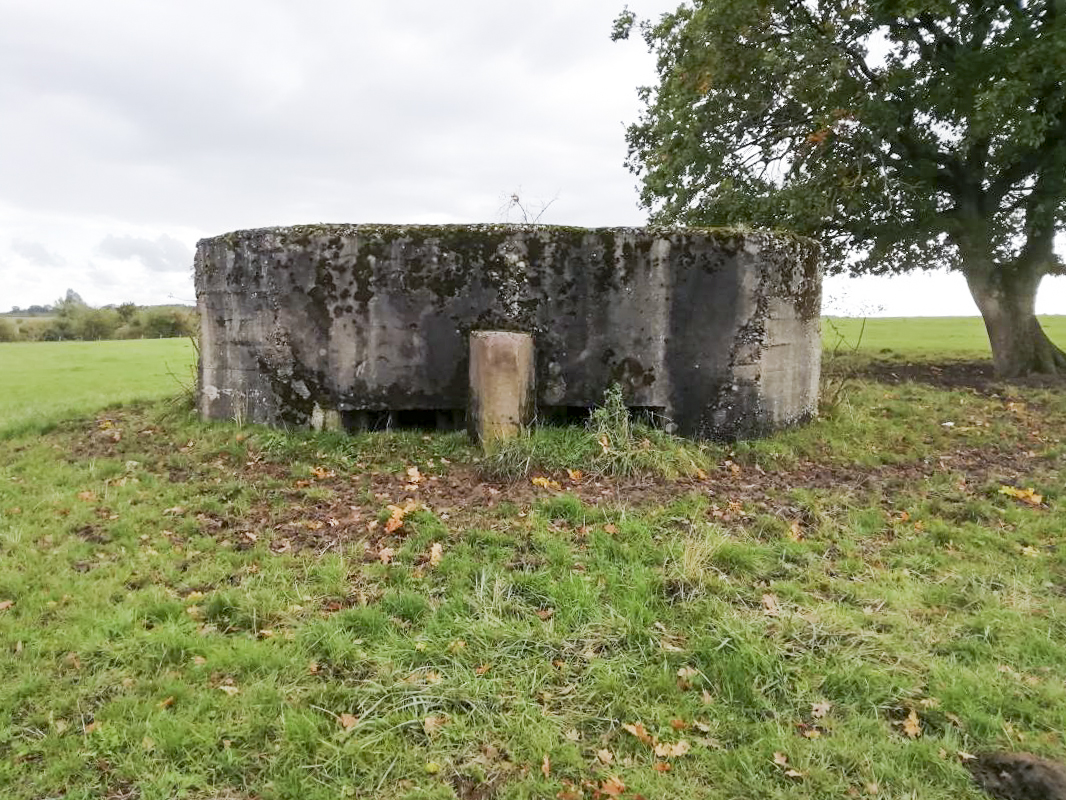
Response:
column 356, row 326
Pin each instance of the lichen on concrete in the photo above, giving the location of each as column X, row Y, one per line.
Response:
column 716, row 329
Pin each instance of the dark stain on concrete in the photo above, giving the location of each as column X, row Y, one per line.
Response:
column 717, row 328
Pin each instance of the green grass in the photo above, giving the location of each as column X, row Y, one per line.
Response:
column 921, row 337
column 44, row 382
column 209, row 611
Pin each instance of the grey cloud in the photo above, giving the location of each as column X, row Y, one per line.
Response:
column 259, row 114
column 164, row 254
column 36, row 253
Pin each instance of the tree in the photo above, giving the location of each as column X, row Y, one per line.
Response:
column 126, row 312
column 168, row 323
column 902, row 134
column 8, row 331
column 93, row 324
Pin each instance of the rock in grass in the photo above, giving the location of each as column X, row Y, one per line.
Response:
column 1020, row 776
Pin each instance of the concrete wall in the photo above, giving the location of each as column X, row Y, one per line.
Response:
column 718, row 330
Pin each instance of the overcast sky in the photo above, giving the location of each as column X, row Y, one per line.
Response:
column 131, row 128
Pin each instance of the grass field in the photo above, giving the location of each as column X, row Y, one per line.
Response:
column 44, row 382
column 921, row 337
column 857, row 608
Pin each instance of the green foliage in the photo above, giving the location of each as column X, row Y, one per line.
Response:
column 901, row 135
column 167, row 323
column 72, row 320
column 881, row 127
column 93, row 324
column 126, row 312
column 8, row 331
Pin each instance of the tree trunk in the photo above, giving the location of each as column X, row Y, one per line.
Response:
column 1007, row 301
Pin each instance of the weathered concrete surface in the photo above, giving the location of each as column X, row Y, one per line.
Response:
column 502, row 385
column 717, row 330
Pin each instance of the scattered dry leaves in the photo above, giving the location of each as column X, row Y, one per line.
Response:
column 782, row 761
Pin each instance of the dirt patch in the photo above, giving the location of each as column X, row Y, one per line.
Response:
column 954, row 375
column 357, row 507
column 332, row 508
column 1020, row 776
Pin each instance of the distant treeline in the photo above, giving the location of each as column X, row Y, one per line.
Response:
column 74, row 320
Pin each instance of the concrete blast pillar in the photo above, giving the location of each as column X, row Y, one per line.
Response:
column 502, row 385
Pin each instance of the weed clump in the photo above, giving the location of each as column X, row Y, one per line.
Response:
column 612, row 443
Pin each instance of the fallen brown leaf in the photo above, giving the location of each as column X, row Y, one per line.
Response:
column 436, row 554
column 685, row 676
column 912, row 726
column 667, row 750
column 347, row 721
column 770, row 606
column 432, row 725
column 638, row 730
